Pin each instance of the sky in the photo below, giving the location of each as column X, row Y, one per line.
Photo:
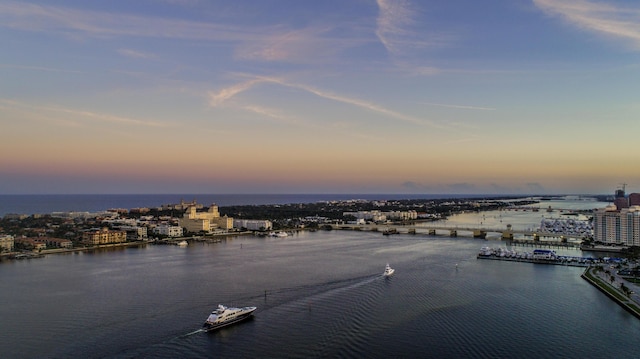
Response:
column 332, row 96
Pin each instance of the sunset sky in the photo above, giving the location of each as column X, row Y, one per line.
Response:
column 332, row 96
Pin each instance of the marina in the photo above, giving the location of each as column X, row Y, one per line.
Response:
column 542, row 256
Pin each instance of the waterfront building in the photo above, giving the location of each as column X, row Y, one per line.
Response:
column 31, row 243
column 54, row 242
column 103, row 236
column 380, row 216
column 135, row 233
column 6, row 243
column 616, row 225
column 401, row 215
column 194, row 221
column 253, row 224
column 373, row 216
column 169, row 231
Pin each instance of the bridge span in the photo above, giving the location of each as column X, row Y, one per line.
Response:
column 453, row 231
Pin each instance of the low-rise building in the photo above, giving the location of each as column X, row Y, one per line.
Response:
column 401, row 215
column 253, row 224
column 103, row 236
column 380, row 216
column 374, row 216
column 183, row 205
column 6, row 243
column 31, row 243
column 54, row 242
column 167, row 230
column 135, row 233
column 17, row 216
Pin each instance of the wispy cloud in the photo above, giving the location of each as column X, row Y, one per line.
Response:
column 464, row 107
column 405, row 38
column 360, row 103
column 217, row 98
column 136, row 54
column 273, row 114
column 393, row 17
column 38, row 68
column 311, row 44
column 75, row 22
column 79, row 114
column 606, row 19
column 279, row 42
column 108, row 117
column 397, row 28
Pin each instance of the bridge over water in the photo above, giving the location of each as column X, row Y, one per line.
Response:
column 453, row 231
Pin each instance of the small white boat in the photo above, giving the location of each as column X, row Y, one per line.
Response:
column 388, row 271
column 183, row 243
column 224, row 316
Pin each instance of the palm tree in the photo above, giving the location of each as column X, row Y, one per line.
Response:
column 624, row 289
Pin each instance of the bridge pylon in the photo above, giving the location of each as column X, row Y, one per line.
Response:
column 478, row 233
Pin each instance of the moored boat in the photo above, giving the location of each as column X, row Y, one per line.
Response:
column 279, row 234
column 224, row 316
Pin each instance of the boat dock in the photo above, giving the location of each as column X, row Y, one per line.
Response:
column 538, row 256
column 536, row 261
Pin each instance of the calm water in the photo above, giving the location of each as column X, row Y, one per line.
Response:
column 521, row 220
column 325, row 298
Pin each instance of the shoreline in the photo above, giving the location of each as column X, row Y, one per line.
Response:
column 172, row 241
column 628, row 303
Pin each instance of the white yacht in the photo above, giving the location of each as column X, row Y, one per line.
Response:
column 224, row 316
column 183, row 243
column 388, row 271
column 279, row 234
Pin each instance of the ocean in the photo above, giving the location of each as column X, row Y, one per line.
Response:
column 319, row 294
column 43, row 204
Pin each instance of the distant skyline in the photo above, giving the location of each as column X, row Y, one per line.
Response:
column 349, row 96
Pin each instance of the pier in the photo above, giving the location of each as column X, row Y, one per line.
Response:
column 560, row 261
column 537, row 256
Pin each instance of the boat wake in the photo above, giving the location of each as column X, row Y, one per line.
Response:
column 192, row 333
column 348, row 303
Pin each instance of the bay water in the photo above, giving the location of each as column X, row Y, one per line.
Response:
column 319, row 294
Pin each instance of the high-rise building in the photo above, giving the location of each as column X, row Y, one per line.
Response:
column 616, row 225
column 620, row 200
